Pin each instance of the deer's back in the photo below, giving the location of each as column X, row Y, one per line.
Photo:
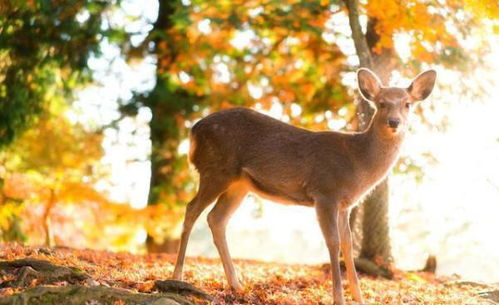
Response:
column 243, row 144
column 242, row 134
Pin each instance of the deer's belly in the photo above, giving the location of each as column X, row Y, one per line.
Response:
column 282, row 199
column 291, row 195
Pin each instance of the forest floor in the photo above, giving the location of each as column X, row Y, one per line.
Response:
column 265, row 283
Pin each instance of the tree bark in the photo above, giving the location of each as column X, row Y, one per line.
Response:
column 375, row 229
column 47, row 226
column 167, row 104
column 375, row 245
column 45, row 272
column 361, row 47
column 163, row 132
column 76, row 295
column 26, row 272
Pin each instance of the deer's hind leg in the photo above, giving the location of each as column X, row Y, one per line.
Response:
column 218, row 218
column 209, row 189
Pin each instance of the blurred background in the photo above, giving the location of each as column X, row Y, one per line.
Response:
column 97, row 99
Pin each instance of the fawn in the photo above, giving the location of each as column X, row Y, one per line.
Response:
column 239, row 150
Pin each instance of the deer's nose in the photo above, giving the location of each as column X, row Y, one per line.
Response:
column 393, row 123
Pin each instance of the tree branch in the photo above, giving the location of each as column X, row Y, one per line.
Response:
column 359, row 39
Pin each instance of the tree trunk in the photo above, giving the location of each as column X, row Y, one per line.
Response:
column 375, row 229
column 168, row 245
column 375, row 245
column 167, row 104
column 163, row 131
column 47, row 226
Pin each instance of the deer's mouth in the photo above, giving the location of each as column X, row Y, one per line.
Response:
column 394, row 130
column 393, row 125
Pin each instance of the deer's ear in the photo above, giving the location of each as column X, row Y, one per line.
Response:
column 369, row 84
column 422, row 85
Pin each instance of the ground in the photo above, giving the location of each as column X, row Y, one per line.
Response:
column 265, row 283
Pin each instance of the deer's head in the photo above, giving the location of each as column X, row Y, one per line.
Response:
column 394, row 104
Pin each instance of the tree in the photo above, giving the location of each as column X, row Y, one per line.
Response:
column 49, row 178
column 50, row 159
column 44, row 47
column 375, row 230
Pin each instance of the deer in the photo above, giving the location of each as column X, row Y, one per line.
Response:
column 239, row 150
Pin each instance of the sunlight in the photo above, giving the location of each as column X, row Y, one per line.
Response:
column 183, row 147
column 255, row 90
column 295, row 110
column 204, row 26
column 243, row 39
column 184, row 77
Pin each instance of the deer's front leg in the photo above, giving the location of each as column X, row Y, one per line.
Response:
column 327, row 214
column 346, row 249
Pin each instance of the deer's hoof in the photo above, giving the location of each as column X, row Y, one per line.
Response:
column 177, row 277
column 236, row 287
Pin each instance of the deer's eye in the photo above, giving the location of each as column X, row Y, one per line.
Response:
column 408, row 105
column 382, row 105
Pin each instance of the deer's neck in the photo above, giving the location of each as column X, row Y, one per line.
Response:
column 379, row 151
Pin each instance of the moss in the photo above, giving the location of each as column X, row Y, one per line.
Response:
column 77, row 295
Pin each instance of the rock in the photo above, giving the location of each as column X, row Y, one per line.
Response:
column 181, row 288
column 28, row 269
column 492, row 295
column 91, row 282
column 164, row 301
column 431, row 264
column 78, row 295
column 46, row 251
